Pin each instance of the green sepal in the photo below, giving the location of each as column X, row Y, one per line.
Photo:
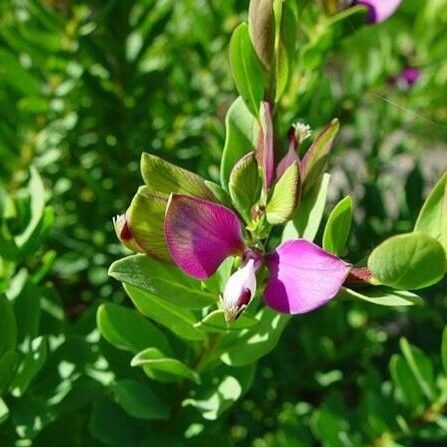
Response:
column 245, row 184
column 314, row 161
column 285, row 198
column 165, row 178
column 145, row 220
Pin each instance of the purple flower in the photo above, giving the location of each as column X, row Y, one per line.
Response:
column 379, row 10
column 200, row 235
column 406, row 78
column 410, row 75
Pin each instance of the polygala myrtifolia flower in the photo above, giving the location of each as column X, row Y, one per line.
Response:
column 379, row 10
column 178, row 216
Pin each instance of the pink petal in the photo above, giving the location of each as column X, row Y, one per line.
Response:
column 380, row 10
column 303, row 277
column 200, row 235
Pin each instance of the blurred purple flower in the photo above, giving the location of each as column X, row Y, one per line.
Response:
column 200, row 235
column 410, row 75
column 379, row 10
column 406, row 78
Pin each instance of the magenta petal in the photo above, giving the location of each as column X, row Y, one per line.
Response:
column 201, row 234
column 380, row 10
column 303, row 277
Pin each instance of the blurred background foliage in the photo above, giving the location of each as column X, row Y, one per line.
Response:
column 85, row 88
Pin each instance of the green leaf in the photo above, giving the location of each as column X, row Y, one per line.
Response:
column 384, row 296
column 443, row 350
column 310, row 213
column 405, row 382
column 220, row 389
column 126, row 329
column 4, row 411
column 286, row 46
column 338, row 227
column 30, row 366
column 177, row 320
column 245, row 184
column 112, row 426
column 421, row 368
column 31, row 243
column 145, row 218
column 8, row 326
column 247, row 70
column 166, row 178
column 330, row 428
column 254, row 343
column 314, row 161
column 139, row 400
column 261, row 26
column 432, row 219
column 37, row 206
column 285, row 197
column 8, row 365
column 408, row 261
column 153, row 359
column 241, row 133
column 165, row 281
column 215, row 322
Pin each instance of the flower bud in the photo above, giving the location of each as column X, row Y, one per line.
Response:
column 124, row 233
column 239, row 290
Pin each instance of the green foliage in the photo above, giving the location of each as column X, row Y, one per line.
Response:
column 408, row 261
column 241, row 131
column 336, row 231
column 248, row 73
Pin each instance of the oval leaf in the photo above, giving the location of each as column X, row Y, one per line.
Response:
column 338, row 227
column 408, row 261
column 161, row 280
column 241, row 134
column 247, row 70
column 139, row 400
column 126, row 329
column 177, row 320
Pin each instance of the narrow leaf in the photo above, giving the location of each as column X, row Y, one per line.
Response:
column 154, row 359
